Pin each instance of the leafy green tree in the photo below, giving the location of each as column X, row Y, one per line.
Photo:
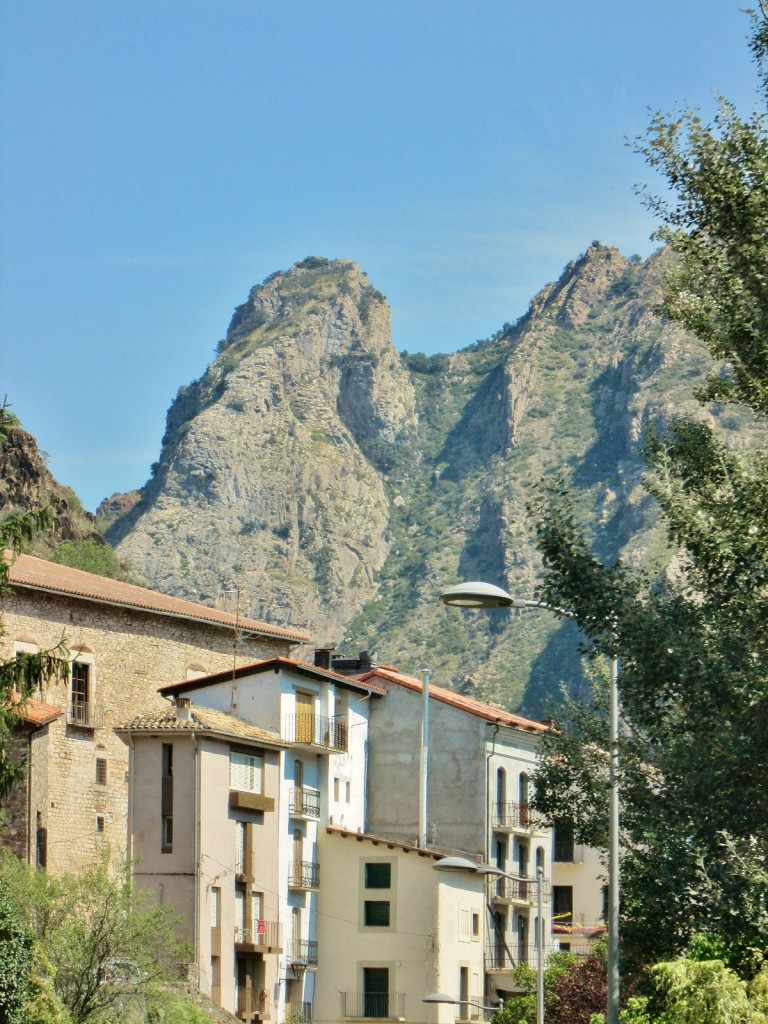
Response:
column 574, row 989
column 107, row 944
column 692, row 644
column 91, row 556
column 19, row 677
column 15, row 961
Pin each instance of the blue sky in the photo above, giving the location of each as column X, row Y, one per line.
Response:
column 161, row 157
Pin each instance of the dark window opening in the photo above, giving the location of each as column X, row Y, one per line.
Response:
column 378, row 876
column 376, row 913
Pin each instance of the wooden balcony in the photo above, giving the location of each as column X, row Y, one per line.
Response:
column 263, row 937
column 317, row 732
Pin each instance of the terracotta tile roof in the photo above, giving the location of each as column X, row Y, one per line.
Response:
column 394, row 844
column 456, row 700
column 202, row 720
column 274, row 665
column 37, row 712
column 37, row 574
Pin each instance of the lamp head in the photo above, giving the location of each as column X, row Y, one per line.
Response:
column 477, row 595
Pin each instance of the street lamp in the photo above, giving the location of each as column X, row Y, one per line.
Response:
column 439, row 998
column 485, row 595
column 463, row 864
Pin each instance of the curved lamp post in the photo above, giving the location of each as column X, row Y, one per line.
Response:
column 485, row 595
column 439, row 998
column 463, row 864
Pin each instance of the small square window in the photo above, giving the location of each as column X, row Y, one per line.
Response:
column 378, row 876
column 100, row 823
column 376, row 913
column 101, row 771
column 167, row 834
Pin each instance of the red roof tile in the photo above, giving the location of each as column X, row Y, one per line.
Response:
column 36, row 712
column 456, row 700
column 37, row 574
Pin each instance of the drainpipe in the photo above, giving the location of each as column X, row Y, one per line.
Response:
column 424, row 766
column 196, row 910
column 131, row 793
column 490, row 754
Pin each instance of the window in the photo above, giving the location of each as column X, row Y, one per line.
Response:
column 378, row 876
column 81, row 691
column 336, row 784
column 245, row 772
column 348, row 791
column 239, row 847
column 376, row 913
column 167, row 840
column 167, row 760
column 215, row 907
column 99, row 822
column 29, row 680
column 563, row 843
column 562, row 904
column 475, row 926
column 101, row 771
column 41, row 842
column 464, row 993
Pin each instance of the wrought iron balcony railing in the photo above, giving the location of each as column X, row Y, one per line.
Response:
column 303, row 952
column 516, row 815
column 376, row 1005
column 316, row 731
column 304, row 802
column 85, row 714
column 304, row 874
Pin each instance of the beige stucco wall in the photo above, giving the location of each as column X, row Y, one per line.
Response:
column 423, row 947
column 133, row 653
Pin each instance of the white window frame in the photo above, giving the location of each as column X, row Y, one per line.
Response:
column 246, row 771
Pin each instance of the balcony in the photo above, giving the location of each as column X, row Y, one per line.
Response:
column 499, row 958
column 317, row 732
column 252, row 1004
column 84, row 714
column 565, row 851
column 298, row 1013
column 304, row 875
column 373, row 1005
column 264, row 937
column 515, row 817
column 518, row 889
column 303, row 953
column 304, row 803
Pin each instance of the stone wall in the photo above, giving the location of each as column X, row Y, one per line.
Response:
column 132, row 654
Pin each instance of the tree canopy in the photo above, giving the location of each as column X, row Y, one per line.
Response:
column 692, row 644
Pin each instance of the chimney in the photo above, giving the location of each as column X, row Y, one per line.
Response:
column 323, row 657
column 183, row 709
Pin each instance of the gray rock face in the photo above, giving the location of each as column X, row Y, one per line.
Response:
column 297, row 474
column 263, row 488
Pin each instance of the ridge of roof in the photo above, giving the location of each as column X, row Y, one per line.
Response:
column 38, row 574
column 388, row 841
column 257, row 667
column 458, row 700
column 206, row 720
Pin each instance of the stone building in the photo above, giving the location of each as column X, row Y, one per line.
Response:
column 124, row 642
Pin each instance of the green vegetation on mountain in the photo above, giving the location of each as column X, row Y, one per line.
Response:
column 692, row 643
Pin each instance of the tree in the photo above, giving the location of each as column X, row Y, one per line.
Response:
column 575, row 988
column 692, row 644
column 20, row 677
column 107, row 945
column 15, row 962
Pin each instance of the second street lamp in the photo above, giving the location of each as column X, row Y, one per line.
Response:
column 464, row 864
column 486, row 595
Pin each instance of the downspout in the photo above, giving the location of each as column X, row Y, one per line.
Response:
column 424, row 765
column 487, row 857
column 131, row 793
column 196, row 911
